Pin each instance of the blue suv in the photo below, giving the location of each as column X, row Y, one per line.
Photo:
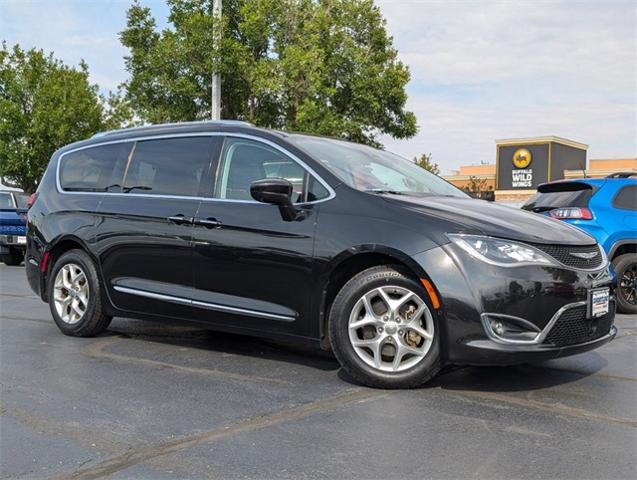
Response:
column 605, row 208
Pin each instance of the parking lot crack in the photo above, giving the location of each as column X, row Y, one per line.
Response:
column 558, row 408
column 136, row 456
column 97, row 350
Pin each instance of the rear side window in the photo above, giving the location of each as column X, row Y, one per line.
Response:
column 556, row 195
column 626, row 198
column 6, row 201
column 95, row 169
column 172, row 166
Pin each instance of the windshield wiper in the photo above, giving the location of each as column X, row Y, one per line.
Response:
column 136, row 187
column 541, row 209
column 382, row 191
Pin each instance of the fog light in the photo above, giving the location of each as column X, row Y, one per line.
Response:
column 497, row 327
column 509, row 329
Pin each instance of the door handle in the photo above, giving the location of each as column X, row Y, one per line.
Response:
column 207, row 222
column 180, row 219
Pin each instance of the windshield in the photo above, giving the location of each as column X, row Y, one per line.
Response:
column 370, row 170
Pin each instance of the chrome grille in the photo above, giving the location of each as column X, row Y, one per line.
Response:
column 562, row 253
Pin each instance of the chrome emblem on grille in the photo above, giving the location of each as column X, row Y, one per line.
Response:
column 584, row 255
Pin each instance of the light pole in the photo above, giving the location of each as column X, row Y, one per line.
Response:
column 215, row 102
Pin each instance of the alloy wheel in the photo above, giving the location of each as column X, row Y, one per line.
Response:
column 71, row 295
column 391, row 328
column 628, row 284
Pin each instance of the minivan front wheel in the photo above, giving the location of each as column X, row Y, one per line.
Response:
column 75, row 296
column 383, row 330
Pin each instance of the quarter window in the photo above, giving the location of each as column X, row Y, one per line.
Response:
column 172, row 166
column 95, row 169
column 626, row 199
column 245, row 161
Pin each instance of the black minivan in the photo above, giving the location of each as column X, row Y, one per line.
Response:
column 297, row 237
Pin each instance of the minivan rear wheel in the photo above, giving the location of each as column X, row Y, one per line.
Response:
column 383, row 329
column 75, row 298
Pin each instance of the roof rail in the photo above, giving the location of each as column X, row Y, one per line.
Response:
column 175, row 124
column 623, row 174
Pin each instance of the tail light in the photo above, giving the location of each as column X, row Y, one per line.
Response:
column 32, row 198
column 571, row 213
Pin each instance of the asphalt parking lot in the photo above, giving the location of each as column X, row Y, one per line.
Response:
column 172, row 402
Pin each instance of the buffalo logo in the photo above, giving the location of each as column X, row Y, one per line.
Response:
column 522, row 158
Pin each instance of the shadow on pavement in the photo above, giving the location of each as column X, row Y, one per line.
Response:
column 515, row 378
column 226, row 343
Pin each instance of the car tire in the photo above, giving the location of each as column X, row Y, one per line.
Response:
column 363, row 301
column 13, row 259
column 75, row 296
column 626, row 270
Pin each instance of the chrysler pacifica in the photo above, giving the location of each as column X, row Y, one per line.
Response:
column 311, row 239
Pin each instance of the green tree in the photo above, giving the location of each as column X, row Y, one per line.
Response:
column 44, row 105
column 478, row 188
column 427, row 163
column 320, row 66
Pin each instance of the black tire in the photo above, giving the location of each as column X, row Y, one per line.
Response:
column 94, row 321
column 14, row 258
column 626, row 265
column 345, row 301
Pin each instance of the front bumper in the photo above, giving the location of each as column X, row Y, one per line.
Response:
column 9, row 243
column 13, row 241
column 487, row 352
column 537, row 296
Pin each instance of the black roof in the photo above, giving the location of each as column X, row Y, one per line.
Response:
column 202, row 125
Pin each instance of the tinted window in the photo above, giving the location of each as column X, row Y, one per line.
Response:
column 95, row 169
column 6, row 201
column 369, row 169
column 245, row 161
column 626, row 198
column 558, row 195
column 172, row 166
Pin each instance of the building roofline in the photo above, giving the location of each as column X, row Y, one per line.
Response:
column 545, row 139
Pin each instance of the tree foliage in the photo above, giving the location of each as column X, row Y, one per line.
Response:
column 479, row 188
column 44, row 105
column 320, row 66
column 427, row 163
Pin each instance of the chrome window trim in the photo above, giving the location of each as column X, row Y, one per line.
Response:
column 304, row 165
column 200, row 304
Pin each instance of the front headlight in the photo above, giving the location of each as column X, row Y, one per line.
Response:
column 500, row 252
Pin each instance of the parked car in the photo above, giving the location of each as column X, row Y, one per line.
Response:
column 606, row 209
column 13, row 209
column 291, row 236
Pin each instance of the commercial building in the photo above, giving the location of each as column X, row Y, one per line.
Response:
column 524, row 163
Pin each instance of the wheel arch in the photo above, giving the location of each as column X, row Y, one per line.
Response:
column 622, row 247
column 351, row 262
column 59, row 247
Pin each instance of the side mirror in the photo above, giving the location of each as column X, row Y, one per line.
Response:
column 276, row 191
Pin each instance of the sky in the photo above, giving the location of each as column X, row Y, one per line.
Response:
column 481, row 70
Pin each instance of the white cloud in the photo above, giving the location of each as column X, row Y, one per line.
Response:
column 480, row 70
column 487, row 70
column 73, row 31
